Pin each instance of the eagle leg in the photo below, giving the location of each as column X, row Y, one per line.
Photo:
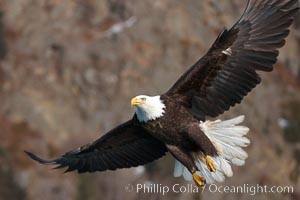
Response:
column 210, row 163
column 187, row 160
column 200, row 181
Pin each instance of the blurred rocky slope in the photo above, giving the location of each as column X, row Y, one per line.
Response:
column 69, row 68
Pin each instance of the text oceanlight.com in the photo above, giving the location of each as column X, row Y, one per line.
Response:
column 152, row 188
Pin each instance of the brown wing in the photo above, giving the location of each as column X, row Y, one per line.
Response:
column 227, row 72
column 123, row 147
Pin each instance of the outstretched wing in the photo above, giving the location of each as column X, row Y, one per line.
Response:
column 123, row 147
column 227, row 72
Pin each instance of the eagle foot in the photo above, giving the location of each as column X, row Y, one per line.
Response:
column 200, row 181
column 210, row 164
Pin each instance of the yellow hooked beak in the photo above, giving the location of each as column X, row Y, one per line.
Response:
column 135, row 101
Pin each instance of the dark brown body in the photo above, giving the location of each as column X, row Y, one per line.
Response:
column 178, row 127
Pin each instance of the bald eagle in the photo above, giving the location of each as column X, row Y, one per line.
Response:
column 175, row 121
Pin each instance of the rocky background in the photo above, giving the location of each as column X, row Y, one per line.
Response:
column 68, row 70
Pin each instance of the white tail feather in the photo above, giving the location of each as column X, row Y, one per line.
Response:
column 228, row 138
column 178, row 169
column 187, row 175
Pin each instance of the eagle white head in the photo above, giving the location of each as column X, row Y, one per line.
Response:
column 148, row 108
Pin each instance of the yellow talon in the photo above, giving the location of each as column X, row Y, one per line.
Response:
column 210, row 164
column 200, row 181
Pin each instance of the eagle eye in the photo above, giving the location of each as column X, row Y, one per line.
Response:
column 143, row 99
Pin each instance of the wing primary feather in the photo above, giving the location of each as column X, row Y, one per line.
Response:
column 40, row 160
column 253, row 42
column 125, row 146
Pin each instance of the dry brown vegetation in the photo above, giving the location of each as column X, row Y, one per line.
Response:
column 67, row 76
